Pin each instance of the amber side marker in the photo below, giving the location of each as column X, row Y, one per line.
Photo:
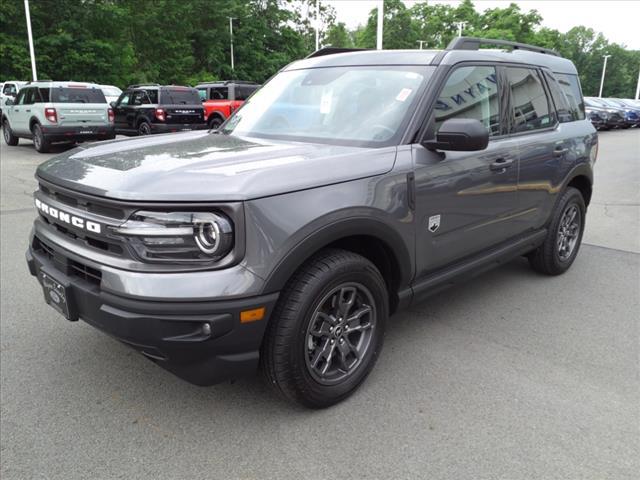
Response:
column 252, row 315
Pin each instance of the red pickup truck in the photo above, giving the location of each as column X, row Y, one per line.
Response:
column 221, row 99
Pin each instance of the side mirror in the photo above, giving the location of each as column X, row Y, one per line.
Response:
column 460, row 134
column 8, row 102
column 113, row 104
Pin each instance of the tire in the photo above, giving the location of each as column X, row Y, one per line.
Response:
column 564, row 236
column 8, row 135
column 144, row 128
column 302, row 339
column 39, row 141
column 215, row 122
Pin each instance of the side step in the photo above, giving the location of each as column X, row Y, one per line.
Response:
column 475, row 265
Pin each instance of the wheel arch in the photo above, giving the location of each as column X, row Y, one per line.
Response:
column 372, row 239
column 32, row 121
column 581, row 178
column 218, row 114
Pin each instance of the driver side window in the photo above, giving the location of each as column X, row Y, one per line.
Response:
column 123, row 101
column 20, row 97
column 470, row 92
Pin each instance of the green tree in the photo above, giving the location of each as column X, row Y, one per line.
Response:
column 338, row 36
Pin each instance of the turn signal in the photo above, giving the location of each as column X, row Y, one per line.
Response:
column 112, row 117
column 254, row 315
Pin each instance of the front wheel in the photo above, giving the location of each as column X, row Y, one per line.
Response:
column 564, row 235
column 327, row 329
column 9, row 137
column 215, row 123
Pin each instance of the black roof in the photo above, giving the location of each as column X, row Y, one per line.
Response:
column 460, row 49
column 226, row 82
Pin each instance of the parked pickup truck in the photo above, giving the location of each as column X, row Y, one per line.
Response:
column 221, row 99
column 352, row 185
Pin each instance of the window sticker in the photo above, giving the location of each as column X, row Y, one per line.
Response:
column 404, row 94
column 325, row 102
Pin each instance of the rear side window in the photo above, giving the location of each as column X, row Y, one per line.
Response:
column 470, row 92
column 244, row 91
column 43, row 95
column 570, row 86
column 529, row 102
column 180, row 96
column 140, row 97
column 219, row 93
column 77, row 95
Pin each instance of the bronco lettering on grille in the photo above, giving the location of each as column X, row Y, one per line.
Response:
column 66, row 217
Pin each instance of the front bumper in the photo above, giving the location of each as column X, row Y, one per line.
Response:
column 177, row 127
column 78, row 134
column 171, row 333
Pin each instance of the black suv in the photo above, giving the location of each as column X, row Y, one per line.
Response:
column 152, row 108
column 350, row 186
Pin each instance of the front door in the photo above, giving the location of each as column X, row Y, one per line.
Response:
column 19, row 115
column 120, row 111
column 466, row 202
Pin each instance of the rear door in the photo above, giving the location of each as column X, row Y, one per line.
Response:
column 182, row 105
column 466, row 202
column 544, row 147
column 79, row 106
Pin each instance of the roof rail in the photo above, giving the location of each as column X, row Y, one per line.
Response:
column 472, row 43
column 333, row 50
column 137, row 85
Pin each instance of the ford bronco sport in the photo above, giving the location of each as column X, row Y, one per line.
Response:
column 221, row 99
column 348, row 187
column 49, row 112
column 152, row 108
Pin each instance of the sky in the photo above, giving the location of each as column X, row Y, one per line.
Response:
column 619, row 21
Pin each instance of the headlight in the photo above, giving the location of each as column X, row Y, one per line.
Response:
column 178, row 237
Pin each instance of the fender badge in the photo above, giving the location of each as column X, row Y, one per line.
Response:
column 434, row 223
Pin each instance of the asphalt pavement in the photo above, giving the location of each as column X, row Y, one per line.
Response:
column 512, row 375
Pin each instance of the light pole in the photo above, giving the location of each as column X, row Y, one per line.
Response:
column 317, row 25
column 421, row 42
column 604, row 69
column 231, row 19
column 461, row 25
column 638, row 87
column 380, row 20
column 31, row 51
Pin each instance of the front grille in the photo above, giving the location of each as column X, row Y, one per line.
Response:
column 85, row 272
column 66, row 265
column 90, row 206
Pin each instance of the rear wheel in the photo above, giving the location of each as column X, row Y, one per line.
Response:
column 8, row 135
column 144, row 128
column 39, row 141
column 327, row 330
column 564, row 235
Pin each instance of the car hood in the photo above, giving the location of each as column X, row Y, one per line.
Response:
column 205, row 166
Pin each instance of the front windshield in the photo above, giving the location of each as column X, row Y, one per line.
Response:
column 361, row 106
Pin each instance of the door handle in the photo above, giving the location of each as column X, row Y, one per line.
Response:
column 501, row 164
column 559, row 151
column 28, row 110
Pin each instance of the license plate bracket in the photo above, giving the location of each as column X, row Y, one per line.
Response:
column 58, row 294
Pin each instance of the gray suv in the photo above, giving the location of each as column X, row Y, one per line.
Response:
column 353, row 184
